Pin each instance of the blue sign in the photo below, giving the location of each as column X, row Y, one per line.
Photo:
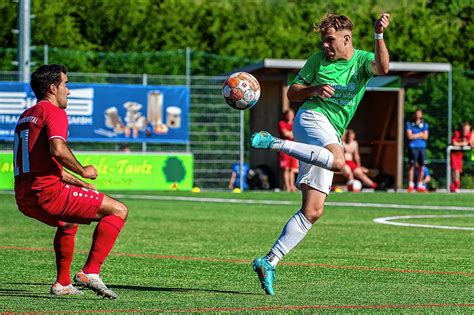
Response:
column 109, row 112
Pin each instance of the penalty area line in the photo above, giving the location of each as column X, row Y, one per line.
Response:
column 389, row 221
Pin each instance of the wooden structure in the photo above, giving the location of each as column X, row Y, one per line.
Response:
column 379, row 121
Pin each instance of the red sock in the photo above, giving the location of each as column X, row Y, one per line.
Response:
column 374, row 185
column 64, row 249
column 457, row 184
column 105, row 234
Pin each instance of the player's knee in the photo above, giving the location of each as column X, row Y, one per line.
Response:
column 313, row 213
column 121, row 210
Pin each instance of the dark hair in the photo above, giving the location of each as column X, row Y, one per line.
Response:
column 348, row 131
column 44, row 76
column 338, row 22
column 413, row 117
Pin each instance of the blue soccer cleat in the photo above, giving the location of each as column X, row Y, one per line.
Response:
column 262, row 140
column 266, row 274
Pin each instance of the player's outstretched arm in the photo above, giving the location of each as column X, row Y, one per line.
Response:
column 381, row 64
column 61, row 152
column 299, row 93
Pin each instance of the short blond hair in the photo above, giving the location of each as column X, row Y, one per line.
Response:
column 335, row 21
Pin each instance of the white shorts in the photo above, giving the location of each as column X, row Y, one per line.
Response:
column 311, row 127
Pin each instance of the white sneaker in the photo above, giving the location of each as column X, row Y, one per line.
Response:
column 59, row 289
column 95, row 283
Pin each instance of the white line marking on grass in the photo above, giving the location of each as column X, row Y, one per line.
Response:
column 388, row 220
column 212, row 200
column 284, row 202
column 395, row 206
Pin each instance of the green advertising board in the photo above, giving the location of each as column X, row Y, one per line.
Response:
column 125, row 171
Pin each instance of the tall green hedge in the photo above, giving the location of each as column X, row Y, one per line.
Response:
column 135, row 35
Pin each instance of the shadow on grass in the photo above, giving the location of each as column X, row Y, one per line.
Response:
column 141, row 288
column 3, row 292
column 24, row 293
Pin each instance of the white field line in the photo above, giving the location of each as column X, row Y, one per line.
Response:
column 388, row 220
column 395, row 206
column 284, row 202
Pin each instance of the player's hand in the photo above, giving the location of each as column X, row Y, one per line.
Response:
column 89, row 172
column 325, row 91
column 382, row 23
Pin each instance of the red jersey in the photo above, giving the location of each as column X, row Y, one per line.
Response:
column 31, row 157
column 458, row 138
column 284, row 125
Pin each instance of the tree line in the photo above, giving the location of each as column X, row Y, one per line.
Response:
column 420, row 30
column 150, row 36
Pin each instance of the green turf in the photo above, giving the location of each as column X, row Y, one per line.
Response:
column 194, row 256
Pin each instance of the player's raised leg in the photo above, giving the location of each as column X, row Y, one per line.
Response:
column 320, row 156
column 112, row 215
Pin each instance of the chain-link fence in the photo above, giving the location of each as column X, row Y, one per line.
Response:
column 214, row 126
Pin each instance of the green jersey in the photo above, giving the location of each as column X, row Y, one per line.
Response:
column 348, row 78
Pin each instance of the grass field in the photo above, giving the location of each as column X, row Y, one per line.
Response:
column 183, row 252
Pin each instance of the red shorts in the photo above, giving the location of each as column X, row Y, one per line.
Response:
column 353, row 165
column 456, row 162
column 57, row 203
column 288, row 162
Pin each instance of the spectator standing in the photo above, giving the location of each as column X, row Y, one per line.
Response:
column 417, row 132
column 288, row 164
column 461, row 137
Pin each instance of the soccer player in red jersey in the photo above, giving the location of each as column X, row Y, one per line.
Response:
column 45, row 191
column 288, row 164
column 461, row 137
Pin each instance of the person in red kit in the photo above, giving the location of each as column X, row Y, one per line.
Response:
column 45, row 191
column 288, row 164
column 461, row 137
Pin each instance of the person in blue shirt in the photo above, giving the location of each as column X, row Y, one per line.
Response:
column 417, row 132
column 234, row 181
column 426, row 177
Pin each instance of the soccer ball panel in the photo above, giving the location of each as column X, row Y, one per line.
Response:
column 354, row 185
column 241, row 90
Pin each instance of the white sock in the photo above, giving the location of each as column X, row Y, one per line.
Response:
column 308, row 153
column 293, row 232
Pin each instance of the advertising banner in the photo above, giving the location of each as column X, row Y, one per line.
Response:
column 125, row 171
column 109, row 112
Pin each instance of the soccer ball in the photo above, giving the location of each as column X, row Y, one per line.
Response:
column 354, row 185
column 241, row 90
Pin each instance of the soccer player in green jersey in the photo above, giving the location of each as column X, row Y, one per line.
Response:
column 330, row 85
